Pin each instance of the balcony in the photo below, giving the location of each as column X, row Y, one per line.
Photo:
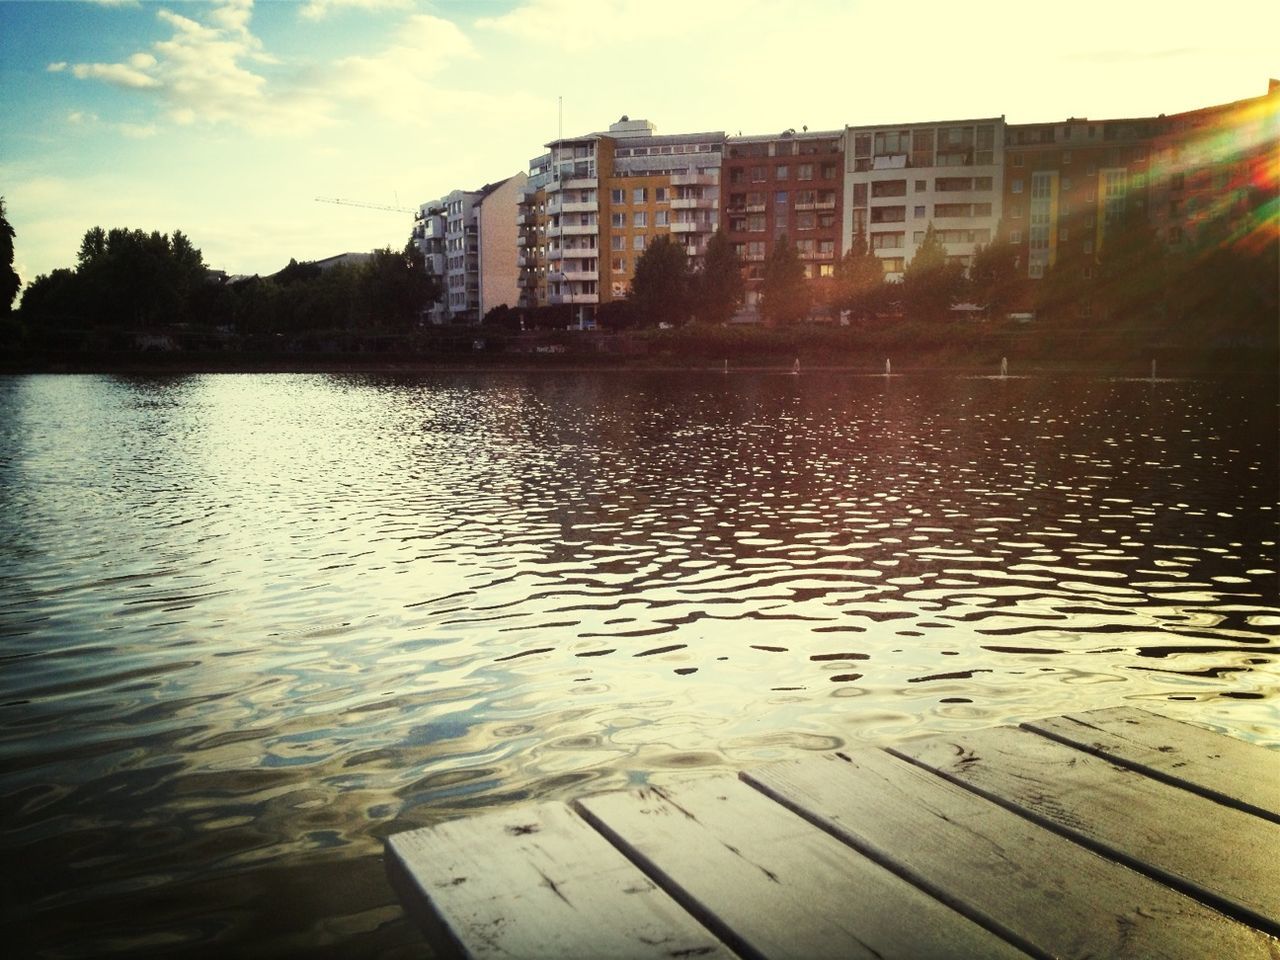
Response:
column 578, row 230
column 681, row 227
column 818, row 255
column 753, row 257
column 581, row 275
column 802, row 207
column 575, row 298
column 580, row 253
column 757, row 208
column 526, row 219
column 693, row 203
column 590, row 206
column 525, row 261
column 552, row 232
column 528, row 240
column 694, row 180
column 825, row 205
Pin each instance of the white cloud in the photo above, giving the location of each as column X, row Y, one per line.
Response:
column 209, row 71
column 319, row 9
column 58, row 67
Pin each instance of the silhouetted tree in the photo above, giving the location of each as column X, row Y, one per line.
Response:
column 1132, row 272
column 931, row 283
column 994, row 280
column 717, row 286
column 660, row 288
column 10, row 282
column 859, row 279
column 784, row 294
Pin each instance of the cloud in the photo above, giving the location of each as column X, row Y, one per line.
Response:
column 209, row 71
column 58, row 67
column 319, row 9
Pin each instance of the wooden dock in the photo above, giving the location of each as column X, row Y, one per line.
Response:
column 1112, row 833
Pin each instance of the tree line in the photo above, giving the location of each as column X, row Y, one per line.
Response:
column 127, row 284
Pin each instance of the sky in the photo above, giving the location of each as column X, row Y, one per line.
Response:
column 226, row 120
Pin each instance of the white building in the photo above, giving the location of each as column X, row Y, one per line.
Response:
column 900, row 178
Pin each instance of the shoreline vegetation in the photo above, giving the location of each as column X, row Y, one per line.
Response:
column 966, row 347
column 140, row 302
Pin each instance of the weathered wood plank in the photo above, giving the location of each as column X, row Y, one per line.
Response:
column 1230, row 771
column 537, row 882
column 1215, row 853
column 771, row 885
column 1038, row 889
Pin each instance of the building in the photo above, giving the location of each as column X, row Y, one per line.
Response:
column 446, row 233
column 496, row 236
column 593, row 204
column 783, row 185
column 899, row 179
column 1067, row 185
column 1215, row 174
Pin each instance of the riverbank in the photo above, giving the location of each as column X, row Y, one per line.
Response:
column 906, row 346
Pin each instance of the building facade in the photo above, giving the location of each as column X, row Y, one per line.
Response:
column 783, row 185
column 901, row 178
column 593, row 204
column 497, row 235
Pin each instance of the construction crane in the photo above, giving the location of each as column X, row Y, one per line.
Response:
column 360, row 203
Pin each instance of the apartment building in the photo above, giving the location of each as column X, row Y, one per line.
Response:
column 900, row 178
column 1067, row 185
column 783, row 185
column 593, row 204
column 1216, row 169
column 446, row 233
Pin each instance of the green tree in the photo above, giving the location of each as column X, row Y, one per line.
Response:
column 1133, row 272
column 859, row 279
column 1067, row 293
column 660, row 289
column 10, row 282
column 784, row 293
column 396, row 287
column 718, row 287
column 931, row 283
column 994, row 278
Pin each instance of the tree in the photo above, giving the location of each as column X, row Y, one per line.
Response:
column 397, row 287
column 660, row 289
column 1132, row 271
column 718, row 287
column 784, row 293
column 994, row 280
column 10, row 282
column 859, row 276
column 931, row 283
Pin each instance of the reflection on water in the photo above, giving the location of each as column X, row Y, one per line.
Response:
column 252, row 624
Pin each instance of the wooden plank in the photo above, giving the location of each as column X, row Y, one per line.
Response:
column 536, row 881
column 1038, row 889
column 771, row 885
column 1233, row 772
column 1215, row 853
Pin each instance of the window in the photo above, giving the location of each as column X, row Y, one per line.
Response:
column 781, row 172
column 917, row 236
column 639, row 194
column 1035, row 269
column 922, row 185
column 805, row 221
column 1015, row 236
column 737, row 175
column 888, row 214
column 640, row 218
column 826, row 219
column 1015, row 186
column 804, row 171
column 952, row 209
column 619, row 264
column 1066, row 157
column 859, row 194
column 661, row 218
column 893, row 264
column 828, row 171
column 780, row 198
column 1062, row 233
column 755, row 250
column 618, row 241
column 889, row 188
column 757, row 174
column 1015, row 160
column 617, row 219
column 918, row 213
column 805, row 248
column 826, row 269
column 755, row 223
column 887, row 241
column 660, row 194
column 1088, row 244
column 1065, row 183
column 892, row 142
column 982, row 210
column 637, row 242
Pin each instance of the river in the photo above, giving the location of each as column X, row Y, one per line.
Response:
column 252, row 624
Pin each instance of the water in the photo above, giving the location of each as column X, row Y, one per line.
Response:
column 250, row 625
